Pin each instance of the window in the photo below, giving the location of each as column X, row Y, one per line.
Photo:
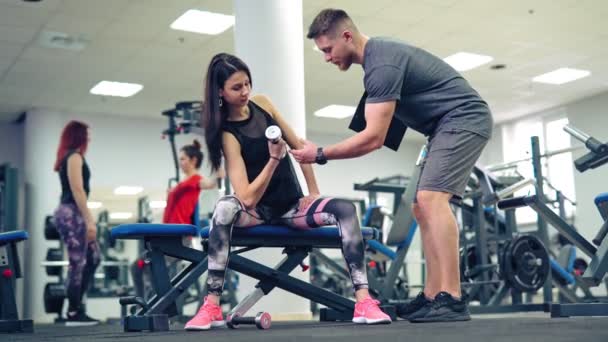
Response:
column 560, row 172
column 517, row 146
column 557, row 169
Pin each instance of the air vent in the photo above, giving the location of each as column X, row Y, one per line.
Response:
column 61, row 40
column 498, row 66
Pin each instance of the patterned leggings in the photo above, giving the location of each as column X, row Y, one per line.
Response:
column 84, row 257
column 230, row 212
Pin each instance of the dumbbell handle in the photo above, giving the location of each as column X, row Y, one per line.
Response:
column 243, row 320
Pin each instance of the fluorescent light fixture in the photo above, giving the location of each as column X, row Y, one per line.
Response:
column 128, row 190
column 94, row 205
column 203, row 22
column 158, row 204
column 121, row 216
column 463, row 61
column 120, row 89
column 561, row 76
column 336, row 111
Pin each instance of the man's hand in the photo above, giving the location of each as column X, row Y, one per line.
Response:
column 306, row 201
column 307, row 154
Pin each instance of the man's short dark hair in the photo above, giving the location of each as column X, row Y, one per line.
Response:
column 327, row 22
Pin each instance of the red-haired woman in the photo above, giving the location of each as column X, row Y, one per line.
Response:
column 74, row 220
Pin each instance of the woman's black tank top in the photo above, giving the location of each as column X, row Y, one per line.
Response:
column 284, row 190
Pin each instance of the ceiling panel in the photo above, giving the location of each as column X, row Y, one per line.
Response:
column 16, row 35
column 131, row 41
column 22, row 16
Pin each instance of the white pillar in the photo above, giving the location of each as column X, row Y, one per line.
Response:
column 269, row 38
column 41, row 138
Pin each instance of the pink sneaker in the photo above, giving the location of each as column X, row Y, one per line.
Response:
column 209, row 315
column 367, row 311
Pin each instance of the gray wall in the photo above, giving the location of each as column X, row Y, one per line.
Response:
column 11, row 144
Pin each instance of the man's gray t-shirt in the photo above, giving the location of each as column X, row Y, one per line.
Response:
column 430, row 94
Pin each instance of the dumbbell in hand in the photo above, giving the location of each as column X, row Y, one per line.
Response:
column 273, row 133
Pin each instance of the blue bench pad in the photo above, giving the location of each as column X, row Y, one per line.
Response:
column 139, row 230
column 601, row 198
column 13, row 236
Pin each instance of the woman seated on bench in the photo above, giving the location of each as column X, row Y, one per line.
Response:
column 266, row 187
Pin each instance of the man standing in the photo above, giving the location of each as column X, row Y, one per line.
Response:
column 427, row 95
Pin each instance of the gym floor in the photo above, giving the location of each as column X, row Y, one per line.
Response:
column 482, row 328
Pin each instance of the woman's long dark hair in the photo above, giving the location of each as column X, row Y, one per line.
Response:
column 221, row 67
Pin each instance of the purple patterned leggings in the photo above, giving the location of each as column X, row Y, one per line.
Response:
column 84, row 257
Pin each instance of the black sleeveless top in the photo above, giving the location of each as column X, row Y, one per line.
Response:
column 66, row 192
column 284, row 190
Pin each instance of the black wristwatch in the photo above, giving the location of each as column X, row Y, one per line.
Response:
column 320, row 159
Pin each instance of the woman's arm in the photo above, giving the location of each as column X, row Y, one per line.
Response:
column 249, row 193
column 292, row 140
column 212, row 182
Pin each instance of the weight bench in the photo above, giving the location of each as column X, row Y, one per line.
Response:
column 9, row 271
column 166, row 240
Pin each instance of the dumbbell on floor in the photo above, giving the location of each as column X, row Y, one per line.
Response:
column 262, row 320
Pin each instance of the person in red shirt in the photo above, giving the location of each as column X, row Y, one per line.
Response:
column 183, row 198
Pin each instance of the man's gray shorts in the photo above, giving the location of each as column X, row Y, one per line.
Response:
column 451, row 155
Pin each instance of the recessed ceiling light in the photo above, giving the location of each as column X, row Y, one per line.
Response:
column 94, row 205
column 158, row 204
column 561, row 76
column 203, row 22
column 336, row 111
column 111, row 88
column 463, row 61
column 121, row 216
column 128, row 190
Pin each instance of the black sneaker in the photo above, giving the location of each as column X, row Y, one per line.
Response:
column 444, row 308
column 79, row 319
column 405, row 310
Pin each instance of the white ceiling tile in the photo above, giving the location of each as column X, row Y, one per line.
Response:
column 28, row 74
column 85, row 26
column 49, row 56
column 18, row 94
column 43, row 6
column 5, row 64
column 23, row 16
column 84, row 8
column 132, row 41
column 10, row 51
column 17, row 34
